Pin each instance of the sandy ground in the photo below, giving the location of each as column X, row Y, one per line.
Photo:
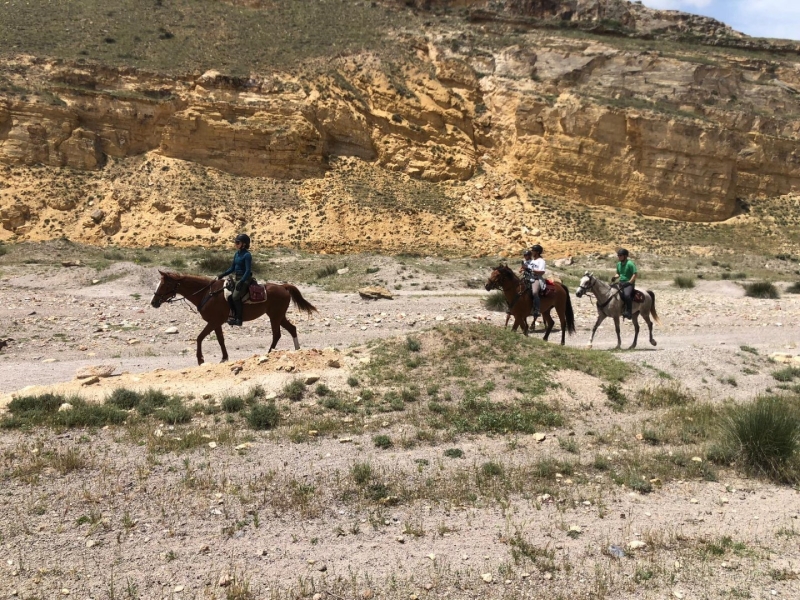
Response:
column 159, row 536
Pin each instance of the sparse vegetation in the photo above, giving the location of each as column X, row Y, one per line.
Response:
column 683, row 281
column 762, row 289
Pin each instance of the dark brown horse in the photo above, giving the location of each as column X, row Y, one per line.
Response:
column 208, row 296
column 520, row 302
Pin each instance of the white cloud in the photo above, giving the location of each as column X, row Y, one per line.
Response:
column 684, row 5
column 764, row 18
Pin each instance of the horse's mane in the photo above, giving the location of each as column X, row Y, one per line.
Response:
column 185, row 277
column 506, row 270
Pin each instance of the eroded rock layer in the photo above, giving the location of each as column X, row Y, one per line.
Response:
column 684, row 133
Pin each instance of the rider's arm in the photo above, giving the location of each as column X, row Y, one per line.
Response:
column 248, row 262
column 632, row 279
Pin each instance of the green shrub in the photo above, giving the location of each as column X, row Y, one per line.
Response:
column 491, row 469
column 362, row 473
column 683, row 281
column 263, row 416
column 382, row 441
column 294, row 390
column 761, row 289
column 615, row 395
column 178, row 263
column 31, row 411
column 124, row 398
column 787, row 373
column 326, row 271
column 174, row 412
column 664, row 395
column 794, row 288
column 352, row 381
column 496, row 301
column 413, row 344
column 766, row 434
column 454, row 453
column 214, row 263
column 323, row 390
column 232, row 404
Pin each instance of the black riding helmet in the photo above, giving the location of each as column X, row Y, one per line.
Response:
column 527, row 253
column 537, row 248
column 245, row 239
column 622, row 252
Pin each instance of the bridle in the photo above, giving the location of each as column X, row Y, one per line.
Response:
column 171, row 296
column 588, row 291
column 589, row 285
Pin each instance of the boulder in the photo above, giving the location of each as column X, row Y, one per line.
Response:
column 375, row 293
column 95, row 371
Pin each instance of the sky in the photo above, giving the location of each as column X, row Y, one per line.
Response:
column 761, row 18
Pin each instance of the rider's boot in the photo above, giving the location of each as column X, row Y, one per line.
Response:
column 628, row 308
column 232, row 313
column 238, row 320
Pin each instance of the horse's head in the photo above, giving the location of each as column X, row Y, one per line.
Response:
column 586, row 284
column 499, row 274
column 166, row 290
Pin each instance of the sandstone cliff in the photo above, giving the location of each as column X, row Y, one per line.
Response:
column 665, row 130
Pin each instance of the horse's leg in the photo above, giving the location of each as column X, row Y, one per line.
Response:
column 547, row 318
column 206, row 330
column 600, row 318
column 221, row 340
column 562, row 320
column 616, row 327
column 646, row 317
column 508, row 318
column 292, row 330
column 276, row 333
column 635, row 320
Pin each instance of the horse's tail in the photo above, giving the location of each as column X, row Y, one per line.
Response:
column 300, row 303
column 653, row 312
column 570, row 314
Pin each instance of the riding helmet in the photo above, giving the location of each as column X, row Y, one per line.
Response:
column 245, row 239
column 622, row 252
column 537, row 248
column 527, row 253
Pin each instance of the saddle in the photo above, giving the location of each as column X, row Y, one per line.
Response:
column 256, row 293
column 549, row 288
column 638, row 296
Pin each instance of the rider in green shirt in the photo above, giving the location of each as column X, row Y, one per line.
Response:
column 626, row 272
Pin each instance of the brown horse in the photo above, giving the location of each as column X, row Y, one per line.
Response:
column 208, row 296
column 520, row 302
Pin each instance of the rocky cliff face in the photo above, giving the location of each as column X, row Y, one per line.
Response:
column 672, row 132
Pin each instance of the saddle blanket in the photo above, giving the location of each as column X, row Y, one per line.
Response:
column 549, row 288
column 638, row 296
column 256, row 294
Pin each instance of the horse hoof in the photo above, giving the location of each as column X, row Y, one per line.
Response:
column 653, row 342
column 588, row 346
column 224, row 359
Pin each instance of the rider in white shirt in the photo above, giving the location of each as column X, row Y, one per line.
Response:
column 537, row 268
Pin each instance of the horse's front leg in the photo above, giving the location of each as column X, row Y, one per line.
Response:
column 221, row 340
column 600, row 318
column 616, row 328
column 206, row 330
column 635, row 320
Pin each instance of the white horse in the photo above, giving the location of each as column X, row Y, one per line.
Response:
column 611, row 304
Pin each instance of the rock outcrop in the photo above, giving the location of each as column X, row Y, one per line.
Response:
column 679, row 134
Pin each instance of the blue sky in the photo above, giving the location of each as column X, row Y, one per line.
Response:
column 762, row 18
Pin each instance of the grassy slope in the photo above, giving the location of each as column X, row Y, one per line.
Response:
column 183, row 35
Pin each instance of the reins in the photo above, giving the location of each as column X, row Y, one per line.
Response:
column 183, row 297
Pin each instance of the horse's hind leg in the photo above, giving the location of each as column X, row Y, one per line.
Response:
column 206, row 330
column 646, row 317
column 635, row 320
column 287, row 325
column 221, row 340
column 276, row 333
column 619, row 337
column 562, row 320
